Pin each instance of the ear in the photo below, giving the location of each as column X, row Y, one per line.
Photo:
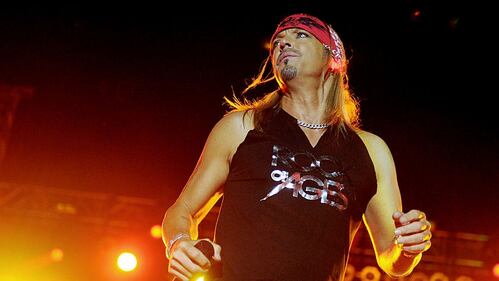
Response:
column 334, row 66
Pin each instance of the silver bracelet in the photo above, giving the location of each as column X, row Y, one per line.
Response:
column 172, row 241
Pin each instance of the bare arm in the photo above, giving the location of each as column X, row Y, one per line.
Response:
column 202, row 191
column 384, row 218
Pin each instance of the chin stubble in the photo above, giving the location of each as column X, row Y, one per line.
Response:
column 288, row 72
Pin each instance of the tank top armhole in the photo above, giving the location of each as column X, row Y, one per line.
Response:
column 236, row 152
column 364, row 195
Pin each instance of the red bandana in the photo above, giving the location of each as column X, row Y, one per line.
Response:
column 322, row 31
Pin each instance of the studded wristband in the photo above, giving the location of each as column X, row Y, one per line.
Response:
column 173, row 240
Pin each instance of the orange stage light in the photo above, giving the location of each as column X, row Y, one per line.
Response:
column 439, row 276
column 156, row 231
column 56, row 255
column 127, row 261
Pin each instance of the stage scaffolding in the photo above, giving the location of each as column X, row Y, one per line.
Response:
column 453, row 255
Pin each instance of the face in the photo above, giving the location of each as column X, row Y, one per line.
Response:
column 296, row 52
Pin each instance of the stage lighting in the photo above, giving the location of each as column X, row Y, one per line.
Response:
column 127, row 261
column 439, row 276
column 464, row 278
column 418, row 276
column 370, row 273
column 56, row 255
column 349, row 273
column 156, row 231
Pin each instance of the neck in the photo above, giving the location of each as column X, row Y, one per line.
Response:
column 307, row 101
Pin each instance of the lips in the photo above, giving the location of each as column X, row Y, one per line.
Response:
column 285, row 55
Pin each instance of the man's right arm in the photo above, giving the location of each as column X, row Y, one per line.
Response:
column 201, row 192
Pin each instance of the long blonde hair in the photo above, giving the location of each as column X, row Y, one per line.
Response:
column 343, row 108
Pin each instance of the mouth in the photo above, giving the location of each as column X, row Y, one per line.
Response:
column 285, row 57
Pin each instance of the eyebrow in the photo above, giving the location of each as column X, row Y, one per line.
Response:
column 293, row 30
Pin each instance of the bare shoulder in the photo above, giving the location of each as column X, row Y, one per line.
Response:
column 376, row 146
column 234, row 125
column 231, row 130
column 238, row 120
column 371, row 139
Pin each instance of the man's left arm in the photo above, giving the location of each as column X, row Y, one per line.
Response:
column 398, row 238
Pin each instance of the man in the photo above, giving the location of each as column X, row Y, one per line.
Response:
column 298, row 176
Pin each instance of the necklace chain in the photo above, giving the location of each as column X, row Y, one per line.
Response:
column 312, row 126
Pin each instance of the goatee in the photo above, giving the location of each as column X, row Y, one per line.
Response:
column 288, row 72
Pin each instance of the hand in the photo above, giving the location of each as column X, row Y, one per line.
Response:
column 186, row 260
column 412, row 233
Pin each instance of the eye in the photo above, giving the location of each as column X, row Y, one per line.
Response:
column 301, row 35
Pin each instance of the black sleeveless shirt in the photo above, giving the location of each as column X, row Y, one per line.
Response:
column 290, row 210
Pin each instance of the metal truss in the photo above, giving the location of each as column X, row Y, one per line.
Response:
column 452, row 253
column 29, row 201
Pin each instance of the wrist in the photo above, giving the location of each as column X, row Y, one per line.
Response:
column 173, row 241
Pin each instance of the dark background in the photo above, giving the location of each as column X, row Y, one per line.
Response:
column 126, row 95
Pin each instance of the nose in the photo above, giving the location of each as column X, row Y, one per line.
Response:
column 284, row 44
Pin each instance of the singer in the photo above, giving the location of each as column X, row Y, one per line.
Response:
column 297, row 174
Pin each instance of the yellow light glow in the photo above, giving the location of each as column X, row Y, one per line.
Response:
column 439, row 276
column 369, row 273
column 56, row 254
column 420, row 276
column 65, row 208
column 8, row 278
column 464, row 278
column 127, row 261
column 496, row 270
column 156, row 231
column 200, row 278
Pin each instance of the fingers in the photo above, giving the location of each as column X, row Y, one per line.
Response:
column 218, row 252
column 413, row 232
column 416, row 249
column 183, row 263
column 180, row 276
column 414, row 239
column 396, row 215
column 413, row 227
column 187, row 260
column 412, row 215
column 197, row 257
column 178, row 270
